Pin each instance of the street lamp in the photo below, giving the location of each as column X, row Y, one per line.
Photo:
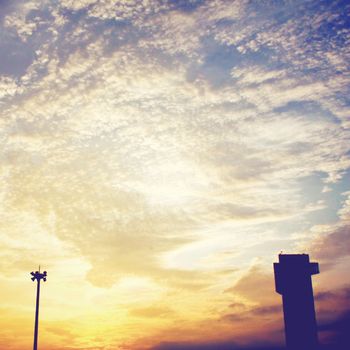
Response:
column 37, row 276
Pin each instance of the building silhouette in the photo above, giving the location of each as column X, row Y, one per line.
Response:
column 293, row 281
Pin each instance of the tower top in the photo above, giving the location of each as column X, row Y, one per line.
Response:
column 296, row 263
column 293, row 258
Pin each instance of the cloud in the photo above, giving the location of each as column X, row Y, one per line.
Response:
column 166, row 146
column 152, row 312
column 331, row 241
column 211, row 346
column 338, row 336
column 333, row 246
column 251, row 285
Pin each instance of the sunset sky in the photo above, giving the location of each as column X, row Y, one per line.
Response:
column 157, row 156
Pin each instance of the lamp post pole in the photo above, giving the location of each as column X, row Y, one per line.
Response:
column 38, row 277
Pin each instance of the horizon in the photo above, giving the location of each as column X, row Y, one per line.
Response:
column 156, row 158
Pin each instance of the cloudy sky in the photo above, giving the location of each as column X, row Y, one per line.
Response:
column 157, row 156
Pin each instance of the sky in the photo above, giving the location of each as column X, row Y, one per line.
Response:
column 156, row 157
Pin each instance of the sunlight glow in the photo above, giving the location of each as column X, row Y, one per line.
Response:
column 172, row 182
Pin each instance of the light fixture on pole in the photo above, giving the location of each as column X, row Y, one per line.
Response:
column 38, row 277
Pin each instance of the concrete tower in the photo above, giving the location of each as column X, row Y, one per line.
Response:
column 293, row 281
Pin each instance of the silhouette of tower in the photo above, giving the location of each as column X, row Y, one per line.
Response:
column 293, row 281
column 37, row 276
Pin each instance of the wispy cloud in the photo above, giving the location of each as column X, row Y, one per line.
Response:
column 170, row 146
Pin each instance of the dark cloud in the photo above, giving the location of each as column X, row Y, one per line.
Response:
column 333, row 246
column 267, row 310
column 229, row 345
column 235, row 317
column 343, row 294
column 244, row 314
column 256, row 285
column 339, row 330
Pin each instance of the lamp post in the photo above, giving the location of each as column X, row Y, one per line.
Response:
column 38, row 277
